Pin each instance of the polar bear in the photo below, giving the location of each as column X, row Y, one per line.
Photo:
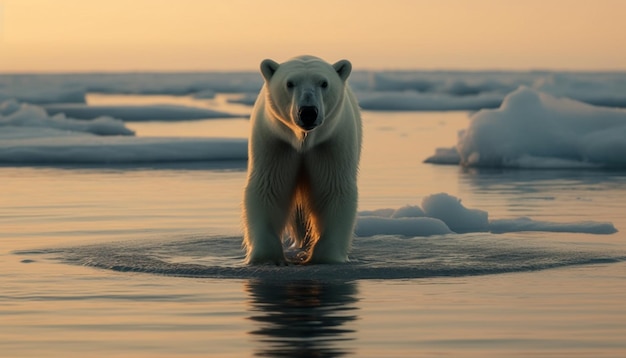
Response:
column 303, row 157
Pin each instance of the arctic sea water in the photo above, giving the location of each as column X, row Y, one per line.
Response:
column 145, row 260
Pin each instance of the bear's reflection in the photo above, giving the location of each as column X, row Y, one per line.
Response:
column 302, row 318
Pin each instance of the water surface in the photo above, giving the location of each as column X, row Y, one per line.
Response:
column 146, row 260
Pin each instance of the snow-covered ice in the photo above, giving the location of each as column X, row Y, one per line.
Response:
column 532, row 129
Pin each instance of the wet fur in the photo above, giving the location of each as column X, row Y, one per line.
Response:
column 302, row 184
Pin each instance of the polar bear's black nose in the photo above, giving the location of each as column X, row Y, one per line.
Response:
column 308, row 116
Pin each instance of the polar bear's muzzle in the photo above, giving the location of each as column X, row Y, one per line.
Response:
column 307, row 117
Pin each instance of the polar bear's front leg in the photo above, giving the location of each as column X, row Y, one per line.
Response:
column 264, row 218
column 336, row 215
column 268, row 198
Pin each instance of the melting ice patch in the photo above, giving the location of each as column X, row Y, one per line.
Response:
column 536, row 130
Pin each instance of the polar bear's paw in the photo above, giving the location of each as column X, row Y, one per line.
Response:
column 258, row 256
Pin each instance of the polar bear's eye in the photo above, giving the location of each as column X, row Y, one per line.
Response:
column 324, row 84
column 290, row 84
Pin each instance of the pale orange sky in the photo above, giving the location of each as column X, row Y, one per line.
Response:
column 191, row 35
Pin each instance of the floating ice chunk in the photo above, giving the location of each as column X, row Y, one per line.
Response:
column 536, row 130
column 248, row 99
column 53, row 147
column 28, row 135
column 158, row 112
column 451, row 83
column 450, row 210
column 408, row 220
column 440, row 214
column 599, row 89
column 9, row 107
column 204, row 94
column 13, row 114
column 373, row 225
column 445, row 156
column 408, row 211
column 415, row 101
column 383, row 213
column 444, row 214
column 43, row 95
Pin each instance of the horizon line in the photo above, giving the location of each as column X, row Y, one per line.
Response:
column 252, row 70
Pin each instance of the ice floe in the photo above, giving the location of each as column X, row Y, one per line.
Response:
column 532, row 129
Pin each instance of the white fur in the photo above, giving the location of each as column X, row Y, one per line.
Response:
column 302, row 181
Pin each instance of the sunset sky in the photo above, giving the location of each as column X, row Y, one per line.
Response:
column 192, row 35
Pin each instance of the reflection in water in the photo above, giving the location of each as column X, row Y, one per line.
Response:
column 523, row 180
column 302, row 318
column 536, row 193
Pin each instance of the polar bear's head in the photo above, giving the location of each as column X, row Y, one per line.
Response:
column 305, row 91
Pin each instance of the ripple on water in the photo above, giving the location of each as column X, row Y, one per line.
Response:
column 378, row 257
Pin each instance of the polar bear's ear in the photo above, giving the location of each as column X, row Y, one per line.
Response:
column 268, row 68
column 343, row 68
